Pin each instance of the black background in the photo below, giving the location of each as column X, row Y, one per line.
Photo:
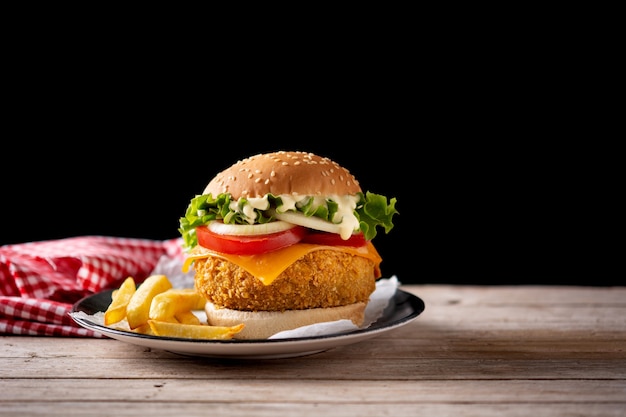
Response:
column 471, row 212
column 498, row 180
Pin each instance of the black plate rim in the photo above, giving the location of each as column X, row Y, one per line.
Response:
column 399, row 300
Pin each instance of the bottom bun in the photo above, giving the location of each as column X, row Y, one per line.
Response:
column 263, row 324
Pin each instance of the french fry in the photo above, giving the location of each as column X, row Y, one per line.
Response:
column 144, row 329
column 194, row 331
column 170, row 303
column 116, row 311
column 138, row 308
column 155, row 308
column 187, row 317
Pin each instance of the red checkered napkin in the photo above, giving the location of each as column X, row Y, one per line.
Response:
column 40, row 281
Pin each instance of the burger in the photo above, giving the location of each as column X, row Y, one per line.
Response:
column 284, row 239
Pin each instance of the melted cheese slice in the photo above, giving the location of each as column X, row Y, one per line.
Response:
column 267, row 266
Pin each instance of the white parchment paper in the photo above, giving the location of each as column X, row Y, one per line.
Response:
column 385, row 289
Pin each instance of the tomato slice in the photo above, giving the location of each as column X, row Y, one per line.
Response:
column 333, row 239
column 249, row 245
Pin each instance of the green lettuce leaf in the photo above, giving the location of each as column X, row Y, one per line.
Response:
column 372, row 211
column 375, row 212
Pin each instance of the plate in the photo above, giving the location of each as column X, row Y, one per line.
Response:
column 402, row 308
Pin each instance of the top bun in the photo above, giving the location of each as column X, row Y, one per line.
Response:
column 282, row 172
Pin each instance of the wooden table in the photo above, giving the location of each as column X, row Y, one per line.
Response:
column 474, row 351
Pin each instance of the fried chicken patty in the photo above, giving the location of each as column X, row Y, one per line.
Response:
column 322, row 278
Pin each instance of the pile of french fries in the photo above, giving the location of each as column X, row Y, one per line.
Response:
column 155, row 308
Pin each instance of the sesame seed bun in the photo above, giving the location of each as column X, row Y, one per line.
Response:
column 283, row 172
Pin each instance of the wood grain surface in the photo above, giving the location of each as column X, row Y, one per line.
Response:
column 474, row 351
